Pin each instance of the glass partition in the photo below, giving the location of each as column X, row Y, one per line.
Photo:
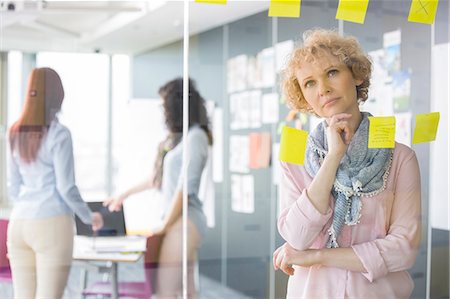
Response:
column 122, row 69
column 246, row 56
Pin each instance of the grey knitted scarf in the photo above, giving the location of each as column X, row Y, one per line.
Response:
column 363, row 171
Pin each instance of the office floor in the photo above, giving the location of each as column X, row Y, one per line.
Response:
column 209, row 289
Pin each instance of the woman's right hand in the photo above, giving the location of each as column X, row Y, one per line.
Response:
column 97, row 221
column 338, row 135
column 114, row 204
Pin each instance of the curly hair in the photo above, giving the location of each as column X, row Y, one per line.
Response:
column 172, row 95
column 318, row 42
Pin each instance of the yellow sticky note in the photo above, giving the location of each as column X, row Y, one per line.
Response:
column 284, row 8
column 212, row 1
column 423, row 11
column 293, row 145
column 352, row 10
column 426, row 127
column 381, row 132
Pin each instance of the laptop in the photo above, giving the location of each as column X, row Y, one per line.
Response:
column 113, row 222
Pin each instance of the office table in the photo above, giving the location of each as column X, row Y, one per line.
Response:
column 115, row 250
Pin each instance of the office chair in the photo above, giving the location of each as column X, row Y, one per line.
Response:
column 5, row 270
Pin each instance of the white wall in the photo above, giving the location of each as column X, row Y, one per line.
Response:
column 439, row 167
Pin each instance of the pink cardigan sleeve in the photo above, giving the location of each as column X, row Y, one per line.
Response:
column 299, row 222
column 398, row 250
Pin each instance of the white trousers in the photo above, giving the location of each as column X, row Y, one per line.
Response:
column 40, row 254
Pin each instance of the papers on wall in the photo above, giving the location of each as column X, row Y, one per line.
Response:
column 217, row 152
column 391, row 45
column 276, row 171
column 282, row 51
column 380, row 99
column 237, row 73
column 250, row 72
column 242, row 194
column 381, row 132
column 403, row 128
column 245, row 110
column 270, row 108
column 239, row 110
column 254, row 109
column 260, row 146
column 266, row 60
column 239, row 153
column 401, row 90
column 254, row 79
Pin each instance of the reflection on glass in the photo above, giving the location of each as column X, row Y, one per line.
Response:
column 167, row 176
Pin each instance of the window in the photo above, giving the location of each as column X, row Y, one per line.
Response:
column 85, row 112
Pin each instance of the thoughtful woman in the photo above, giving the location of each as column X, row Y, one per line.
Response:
column 351, row 215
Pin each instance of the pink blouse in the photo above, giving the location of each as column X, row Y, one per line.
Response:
column 386, row 240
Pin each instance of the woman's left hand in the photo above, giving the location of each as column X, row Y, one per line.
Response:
column 285, row 256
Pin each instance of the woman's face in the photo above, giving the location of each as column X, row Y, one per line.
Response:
column 328, row 86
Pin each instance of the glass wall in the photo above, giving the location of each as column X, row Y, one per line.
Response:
column 128, row 143
column 246, row 188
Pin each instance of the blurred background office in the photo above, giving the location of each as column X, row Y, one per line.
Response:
column 112, row 57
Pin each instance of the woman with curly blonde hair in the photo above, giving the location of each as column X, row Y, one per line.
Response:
column 351, row 215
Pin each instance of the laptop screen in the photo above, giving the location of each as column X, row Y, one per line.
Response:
column 113, row 222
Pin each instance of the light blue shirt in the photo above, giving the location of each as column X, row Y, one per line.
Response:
column 172, row 181
column 46, row 187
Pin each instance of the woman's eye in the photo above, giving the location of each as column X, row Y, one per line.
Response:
column 309, row 84
column 332, row 73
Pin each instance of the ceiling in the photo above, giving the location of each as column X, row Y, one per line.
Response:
column 128, row 27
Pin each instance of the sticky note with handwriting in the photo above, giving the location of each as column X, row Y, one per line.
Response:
column 293, row 145
column 284, row 8
column 352, row 10
column 381, row 132
column 426, row 127
column 423, row 11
